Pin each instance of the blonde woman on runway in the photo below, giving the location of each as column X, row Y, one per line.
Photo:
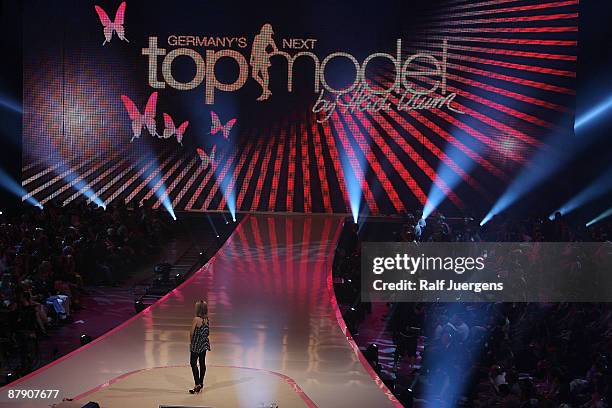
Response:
column 199, row 344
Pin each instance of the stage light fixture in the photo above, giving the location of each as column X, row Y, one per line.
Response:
column 166, row 203
column 372, row 355
column 85, row 339
column 178, row 279
column 11, row 376
column 487, row 218
column 139, row 306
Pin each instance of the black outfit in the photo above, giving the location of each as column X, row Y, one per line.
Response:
column 199, row 345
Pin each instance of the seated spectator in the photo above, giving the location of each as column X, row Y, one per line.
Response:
column 47, row 257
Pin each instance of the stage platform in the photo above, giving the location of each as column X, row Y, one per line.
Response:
column 276, row 335
column 225, row 387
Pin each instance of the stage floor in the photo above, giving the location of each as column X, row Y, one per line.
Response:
column 273, row 321
column 225, row 387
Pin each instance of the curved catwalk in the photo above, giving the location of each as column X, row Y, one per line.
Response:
column 273, row 322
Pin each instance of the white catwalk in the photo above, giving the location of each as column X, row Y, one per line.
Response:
column 272, row 315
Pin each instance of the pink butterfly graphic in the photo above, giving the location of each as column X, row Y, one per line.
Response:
column 112, row 26
column 171, row 129
column 139, row 121
column 218, row 127
column 207, row 158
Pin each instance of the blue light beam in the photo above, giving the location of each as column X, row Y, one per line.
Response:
column 212, row 225
column 547, row 161
column 9, row 184
column 448, row 176
column 596, row 189
column 600, row 217
column 353, row 186
column 10, row 104
column 593, row 114
column 555, row 153
column 161, row 192
column 225, row 185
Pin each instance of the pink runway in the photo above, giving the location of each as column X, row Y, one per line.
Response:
column 276, row 336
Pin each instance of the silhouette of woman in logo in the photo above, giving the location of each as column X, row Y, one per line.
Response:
column 260, row 59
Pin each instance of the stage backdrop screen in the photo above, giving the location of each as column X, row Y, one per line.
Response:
column 307, row 106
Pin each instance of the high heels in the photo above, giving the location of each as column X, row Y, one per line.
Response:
column 196, row 389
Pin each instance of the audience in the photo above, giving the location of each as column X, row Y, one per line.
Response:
column 47, row 257
column 485, row 354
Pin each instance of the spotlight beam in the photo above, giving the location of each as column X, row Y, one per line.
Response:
column 547, row 161
column 10, row 185
column 161, row 194
column 228, row 192
column 600, row 217
column 593, row 114
column 9, row 104
column 353, row 179
column 152, row 175
column 224, row 176
column 596, row 189
column 445, row 175
column 212, row 225
column 80, row 185
column 554, row 154
column 542, row 165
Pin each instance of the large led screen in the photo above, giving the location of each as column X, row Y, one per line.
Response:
column 314, row 106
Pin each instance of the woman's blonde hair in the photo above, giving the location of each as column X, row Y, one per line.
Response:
column 201, row 308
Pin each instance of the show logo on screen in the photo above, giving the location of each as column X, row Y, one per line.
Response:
column 419, row 79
